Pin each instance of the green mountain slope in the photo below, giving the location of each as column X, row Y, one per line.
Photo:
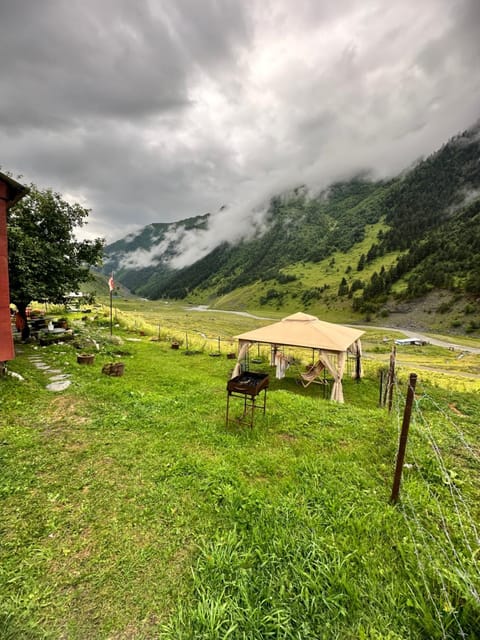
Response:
column 357, row 245
column 298, row 228
column 140, row 258
column 431, row 215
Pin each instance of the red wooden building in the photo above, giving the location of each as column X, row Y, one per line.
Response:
column 10, row 192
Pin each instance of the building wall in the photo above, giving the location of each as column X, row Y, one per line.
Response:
column 6, row 340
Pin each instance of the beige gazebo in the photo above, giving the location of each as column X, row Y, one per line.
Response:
column 330, row 343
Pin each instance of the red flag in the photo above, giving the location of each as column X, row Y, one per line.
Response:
column 111, row 284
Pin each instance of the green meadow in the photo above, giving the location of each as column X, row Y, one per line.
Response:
column 131, row 510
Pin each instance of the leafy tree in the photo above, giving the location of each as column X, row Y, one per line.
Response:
column 45, row 259
column 343, row 288
column 472, row 284
column 272, row 295
column 361, row 262
column 356, row 285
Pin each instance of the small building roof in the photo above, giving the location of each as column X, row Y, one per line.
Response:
column 15, row 190
column 303, row 330
column 414, row 341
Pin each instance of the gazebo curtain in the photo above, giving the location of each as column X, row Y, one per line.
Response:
column 244, row 346
column 336, row 372
column 333, row 361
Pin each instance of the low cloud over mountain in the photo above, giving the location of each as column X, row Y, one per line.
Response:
column 153, row 112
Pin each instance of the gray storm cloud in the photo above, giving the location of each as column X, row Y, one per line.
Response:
column 159, row 111
column 229, row 224
column 141, row 258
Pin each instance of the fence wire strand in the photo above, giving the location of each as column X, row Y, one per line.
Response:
column 444, row 537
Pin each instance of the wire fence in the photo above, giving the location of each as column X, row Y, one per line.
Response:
column 440, row 508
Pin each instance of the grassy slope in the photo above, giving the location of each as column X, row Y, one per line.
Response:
column 116, row 489
column 329, row 271
column 425, row 217
column 459, row 313
column 298, row 228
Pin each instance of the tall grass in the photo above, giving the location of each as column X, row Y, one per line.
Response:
column 129, row 509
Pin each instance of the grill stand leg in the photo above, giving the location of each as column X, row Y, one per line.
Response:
column 252, row 405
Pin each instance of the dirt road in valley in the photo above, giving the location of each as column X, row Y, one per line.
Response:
column 415, row 334
column 407, row 332
column 462, row 349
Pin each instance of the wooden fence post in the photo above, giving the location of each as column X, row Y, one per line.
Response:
column 402, row 445
column 388, row 393
column 380, row 393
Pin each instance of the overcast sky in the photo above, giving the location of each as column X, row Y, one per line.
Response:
column 152, row 111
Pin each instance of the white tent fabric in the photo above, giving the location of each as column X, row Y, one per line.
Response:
column 244, row 347
column 302, row 330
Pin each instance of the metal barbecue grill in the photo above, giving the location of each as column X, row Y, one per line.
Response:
column 247, row 386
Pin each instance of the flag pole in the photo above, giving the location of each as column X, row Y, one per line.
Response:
column 111, row 286
column 111, row 317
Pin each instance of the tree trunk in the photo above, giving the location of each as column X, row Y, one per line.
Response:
column 22, row 312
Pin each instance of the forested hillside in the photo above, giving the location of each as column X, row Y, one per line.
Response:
column 427, row 236
column 432, row 215
column 139, row 257
column 299, row 228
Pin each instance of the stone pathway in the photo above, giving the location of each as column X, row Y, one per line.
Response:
column 58, row 381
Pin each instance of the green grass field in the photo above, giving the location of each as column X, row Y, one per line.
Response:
column 130, row 510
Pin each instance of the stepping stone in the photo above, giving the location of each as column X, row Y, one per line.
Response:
column 15, row 375
column 61, row 385
column 53, row 371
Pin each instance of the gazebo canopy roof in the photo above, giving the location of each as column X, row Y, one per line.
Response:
column 303, row 330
